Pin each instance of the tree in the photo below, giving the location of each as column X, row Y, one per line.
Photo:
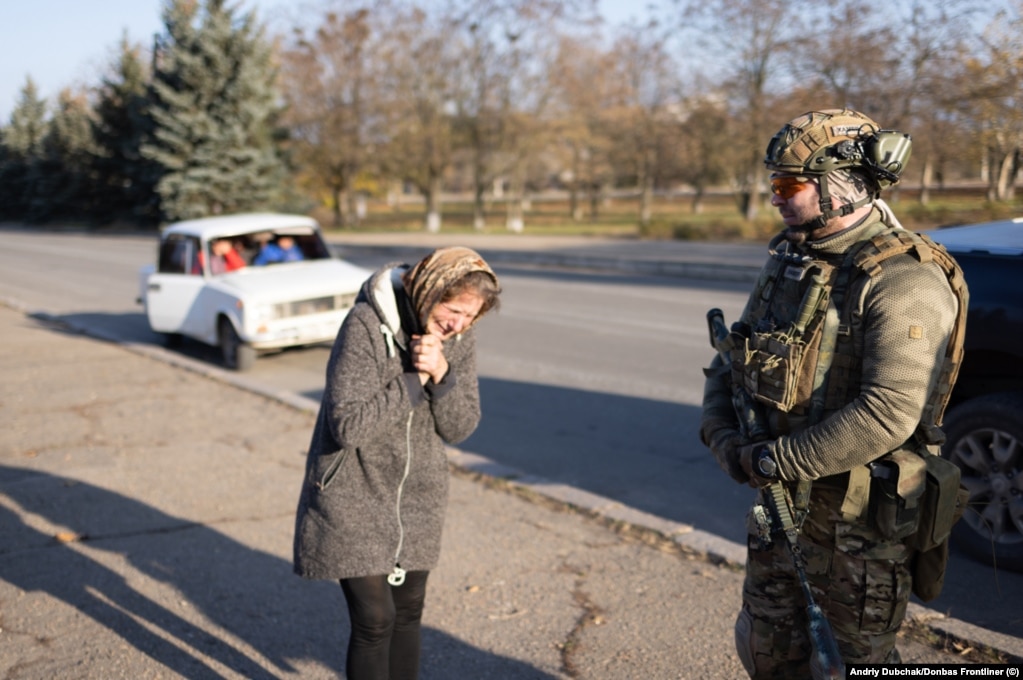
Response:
column 749, row 44
column 22, row 153
column 498, row 82
column 995, row 101
column 647, row 101
column 421, row 57
column 332, row 91
column 704, row 149
column 214, row 106
column 62, row 184
column 125, row 179
column 897, row 72
column 582, row 80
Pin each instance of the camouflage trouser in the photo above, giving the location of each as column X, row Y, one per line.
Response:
column 860, row 580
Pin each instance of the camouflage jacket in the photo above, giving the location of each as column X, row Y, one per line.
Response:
column 891, row 329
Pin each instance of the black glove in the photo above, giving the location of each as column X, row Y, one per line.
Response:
column 725, row 442
column 758, row 464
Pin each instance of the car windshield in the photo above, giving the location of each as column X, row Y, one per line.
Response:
column 268, row 248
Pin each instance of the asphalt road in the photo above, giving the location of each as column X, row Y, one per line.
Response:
column 589, row 379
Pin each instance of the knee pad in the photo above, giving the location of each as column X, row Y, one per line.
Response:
column 744, row 641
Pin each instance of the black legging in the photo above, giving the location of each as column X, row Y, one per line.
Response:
column 385, row 626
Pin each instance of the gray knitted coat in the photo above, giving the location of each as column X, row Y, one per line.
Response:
column 376, row 482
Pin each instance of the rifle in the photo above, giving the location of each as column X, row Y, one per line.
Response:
column 774, row 512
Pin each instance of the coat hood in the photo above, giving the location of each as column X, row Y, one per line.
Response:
column 385, row 292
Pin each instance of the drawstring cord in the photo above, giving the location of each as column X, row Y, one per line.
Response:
column 389, row 337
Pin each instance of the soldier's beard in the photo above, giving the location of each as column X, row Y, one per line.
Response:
column 811, row 230
column 797, row 234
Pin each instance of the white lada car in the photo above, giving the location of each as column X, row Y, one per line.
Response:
column 248, row 283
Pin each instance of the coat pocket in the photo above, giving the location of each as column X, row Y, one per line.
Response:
column 327, row 471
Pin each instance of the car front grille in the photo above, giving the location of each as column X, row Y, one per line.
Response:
column 318, row 305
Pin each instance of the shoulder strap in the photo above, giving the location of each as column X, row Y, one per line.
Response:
column 898, row 241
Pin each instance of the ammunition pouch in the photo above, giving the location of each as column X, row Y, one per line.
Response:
column 944, row 502
column 918, row 498
column 768, row 366
column 896, row 493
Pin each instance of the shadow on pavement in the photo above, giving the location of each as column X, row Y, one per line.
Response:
column 191, row 575
column 641, row 452
column 647, row 454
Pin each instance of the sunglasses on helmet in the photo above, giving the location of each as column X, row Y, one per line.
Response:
column 788, row 186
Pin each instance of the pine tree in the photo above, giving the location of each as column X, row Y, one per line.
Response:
column 62, row 181
column 21, row 152
column 213, row 105
column 125, row 179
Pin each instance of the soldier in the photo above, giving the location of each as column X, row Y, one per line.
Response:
column 847, row 350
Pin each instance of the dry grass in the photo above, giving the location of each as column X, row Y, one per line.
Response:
column 673, row 217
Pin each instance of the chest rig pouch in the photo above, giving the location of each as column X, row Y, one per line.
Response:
column 774, row 354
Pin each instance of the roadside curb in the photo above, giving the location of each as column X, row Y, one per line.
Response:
column 668, row 268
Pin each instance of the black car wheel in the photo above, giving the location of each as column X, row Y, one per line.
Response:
column 985, row 439
column 236, row 354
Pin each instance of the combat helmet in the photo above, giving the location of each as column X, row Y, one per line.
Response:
column 820, row 142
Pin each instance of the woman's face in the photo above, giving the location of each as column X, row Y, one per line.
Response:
column 454, row 316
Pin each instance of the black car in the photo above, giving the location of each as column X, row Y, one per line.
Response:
column 984, row 422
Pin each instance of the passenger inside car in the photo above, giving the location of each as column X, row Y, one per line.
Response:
column 223, row 258
column 283, row 249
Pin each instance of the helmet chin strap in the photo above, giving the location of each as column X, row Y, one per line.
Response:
column 827, row 212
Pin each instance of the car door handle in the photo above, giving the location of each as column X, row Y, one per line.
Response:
column 155, row 287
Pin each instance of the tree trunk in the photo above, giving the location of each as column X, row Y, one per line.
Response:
column 432, row 219
column 646, row 200
column 574, row 207
column 697, row 205
column 752, row 198
column 1007, row 176
column 335, row 197
column 926, row 178
column 353, row 209
column 479, row 217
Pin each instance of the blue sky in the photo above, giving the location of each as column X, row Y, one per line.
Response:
column 62, row 43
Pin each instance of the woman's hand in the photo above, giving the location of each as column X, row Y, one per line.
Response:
column 428, row 358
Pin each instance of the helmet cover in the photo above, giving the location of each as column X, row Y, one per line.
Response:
column 820, row 142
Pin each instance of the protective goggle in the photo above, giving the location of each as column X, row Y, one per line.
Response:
column 788, row 186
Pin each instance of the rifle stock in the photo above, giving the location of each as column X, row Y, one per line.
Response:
column 826, row 661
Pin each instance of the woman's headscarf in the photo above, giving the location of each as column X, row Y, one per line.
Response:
column 427, row 281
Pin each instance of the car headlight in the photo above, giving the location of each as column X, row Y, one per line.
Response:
column 265, row 313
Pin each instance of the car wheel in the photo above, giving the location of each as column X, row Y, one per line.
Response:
column 235, row 353
column 985, row 439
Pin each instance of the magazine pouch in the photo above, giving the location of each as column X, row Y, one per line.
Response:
column 897, row 490
column 942, row 505
column 944, row 502
column 768, row 366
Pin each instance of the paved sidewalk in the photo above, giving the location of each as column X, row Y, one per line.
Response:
column 147, row 521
